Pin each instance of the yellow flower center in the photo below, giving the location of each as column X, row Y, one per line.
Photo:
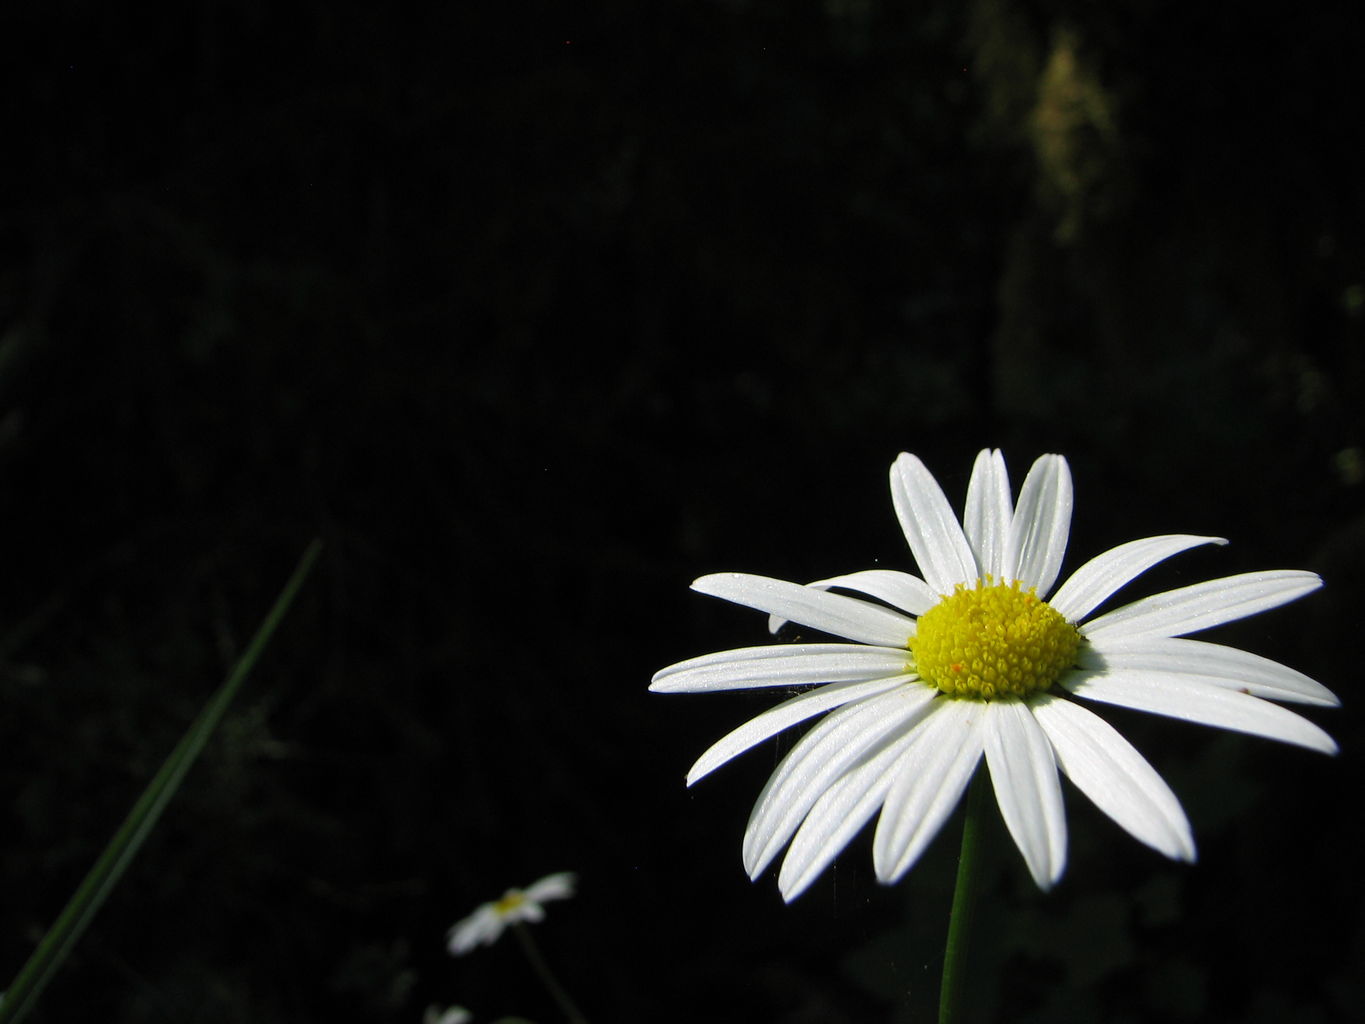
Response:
column 993, row 640
column 511, row 900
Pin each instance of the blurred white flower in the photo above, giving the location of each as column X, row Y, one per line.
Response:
column 450, row 1015
column 971, row 661
column 487, row 922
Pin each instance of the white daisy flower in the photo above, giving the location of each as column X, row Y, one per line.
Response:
column 450, row 1015
column 488, row 922
column 969, row 660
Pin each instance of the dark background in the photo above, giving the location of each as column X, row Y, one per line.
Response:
column 534, row 312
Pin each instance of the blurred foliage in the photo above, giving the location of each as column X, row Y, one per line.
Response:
column 537, row 311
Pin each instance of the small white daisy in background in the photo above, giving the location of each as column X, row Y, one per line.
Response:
column 450, row 1015
column 971, row 661
column 488, row 922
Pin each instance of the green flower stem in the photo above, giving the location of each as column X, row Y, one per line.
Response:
column 547, row 978
column 109, row 868
column 964, row 905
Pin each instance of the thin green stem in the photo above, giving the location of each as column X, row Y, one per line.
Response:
column 90, row 895
column 964, row 904
column 547, row 978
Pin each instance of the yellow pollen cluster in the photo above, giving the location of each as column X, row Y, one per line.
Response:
column 511, row 900
column 993, row 640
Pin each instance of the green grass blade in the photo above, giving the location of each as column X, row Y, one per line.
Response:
column 95, row 888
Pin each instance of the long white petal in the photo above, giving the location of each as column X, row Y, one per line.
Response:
column 1190, row 609
column 1118, row 780
column 1024, row 777
column 830, row 613
column 820, row 757
column 1195, row 699
column 559, row 886
column 929, row 780
column 935, row 537
column 1227, row 667
column 840, row 813
column 986, row 518
column 785, row 715
column 1041, row 525
column 479, row 928
column 1089, row 585
column 898, row 589
column 780, row 665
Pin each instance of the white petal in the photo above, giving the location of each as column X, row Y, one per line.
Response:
column 820, row 757
column 1201, row 605
column 1222, row 666
column 936, row 539
column 986, row 519
column 1195, row 699
column 929, row 780
column 526, row 911
column 785, row 715
column 1042, row 522
column 899, row 589
column 780, row 665
column 830, row 613
column 1024, row 777
column 558, row 886
column 1109, row 770
column 1102, row 575
column 840, row 813
column 479, row 928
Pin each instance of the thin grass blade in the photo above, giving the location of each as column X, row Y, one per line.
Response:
column 55, row 946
